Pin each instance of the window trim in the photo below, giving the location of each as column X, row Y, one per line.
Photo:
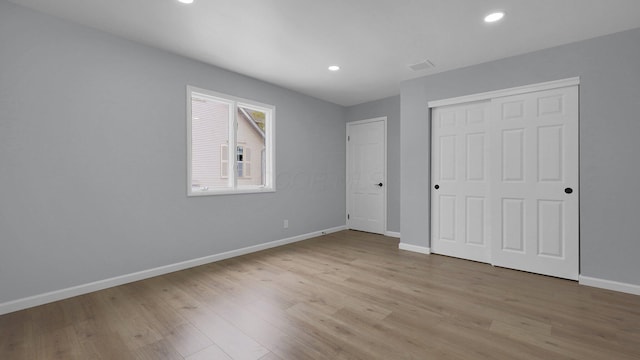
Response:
column 234, row 102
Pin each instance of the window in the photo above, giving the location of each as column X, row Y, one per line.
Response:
column 217, row 123
column 243, row 161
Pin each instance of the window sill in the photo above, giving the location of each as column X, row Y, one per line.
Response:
column 231, row 191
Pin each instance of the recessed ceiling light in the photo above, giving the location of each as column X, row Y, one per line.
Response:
column 186, row 1
column 334, row 68
column 493, row 17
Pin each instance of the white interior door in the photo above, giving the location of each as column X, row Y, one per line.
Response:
column 459, row 179
column 535, row 182
column 366, row 175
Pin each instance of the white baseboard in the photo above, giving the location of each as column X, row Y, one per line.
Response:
column 414, row 248
column 62, row 294
column 609, row 285
column 392, row 234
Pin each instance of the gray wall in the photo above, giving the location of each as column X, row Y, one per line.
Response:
column 389, row 107
column 609, row 70
column 93, row 159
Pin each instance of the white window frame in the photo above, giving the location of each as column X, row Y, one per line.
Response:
column 234, row 102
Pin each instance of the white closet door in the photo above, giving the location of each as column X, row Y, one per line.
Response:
column 459, row 204
column 534, row 182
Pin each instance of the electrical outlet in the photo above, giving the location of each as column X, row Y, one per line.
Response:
column 285, row 224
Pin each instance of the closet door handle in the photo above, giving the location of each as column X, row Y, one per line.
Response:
column 568, row 190
column 437, row 187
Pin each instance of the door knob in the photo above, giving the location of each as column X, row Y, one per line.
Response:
column 380, row 184
column 437, row 187
column 568, row 190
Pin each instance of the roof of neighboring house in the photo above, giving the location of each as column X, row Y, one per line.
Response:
column 251, row 120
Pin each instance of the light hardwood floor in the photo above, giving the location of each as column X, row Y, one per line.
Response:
column 348, row 295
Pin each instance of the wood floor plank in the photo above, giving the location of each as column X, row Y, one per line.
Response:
column 225, row 335
column 59, row 344
column 346, row 295
column 242, row 316
column 99, row 342
column 126, row 319
column 16, row 332
column 159, row 350
column 271, row 356
column 212, row 352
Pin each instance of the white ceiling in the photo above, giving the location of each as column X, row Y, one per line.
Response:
column 291, row 42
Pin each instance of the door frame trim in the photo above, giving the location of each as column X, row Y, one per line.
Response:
column 384, row 194
column 549, row 85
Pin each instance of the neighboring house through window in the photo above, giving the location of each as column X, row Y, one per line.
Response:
column 217, row 123
column 243, row 162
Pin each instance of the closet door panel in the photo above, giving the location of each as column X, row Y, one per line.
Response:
column 535, row 195
column 460, row 223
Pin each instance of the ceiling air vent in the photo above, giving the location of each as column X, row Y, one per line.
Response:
column 423, row 65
